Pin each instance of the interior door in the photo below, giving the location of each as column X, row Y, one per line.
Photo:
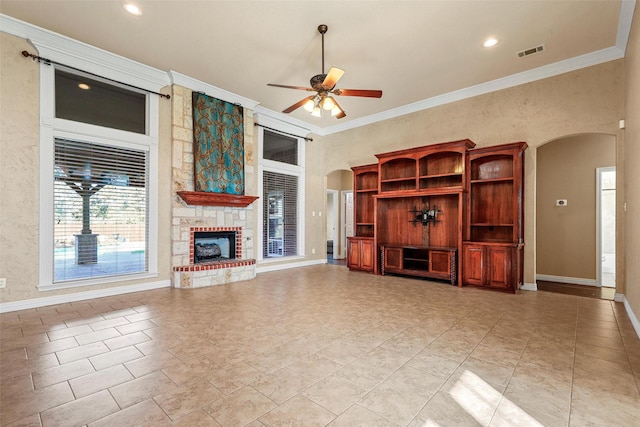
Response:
column 347, row 214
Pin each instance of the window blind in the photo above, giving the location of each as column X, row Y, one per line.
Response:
column 280, row 215
column 100, row 210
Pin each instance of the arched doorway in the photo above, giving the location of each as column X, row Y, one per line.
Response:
column 575, row 215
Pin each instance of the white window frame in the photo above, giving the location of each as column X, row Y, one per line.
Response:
column 286, row 169
column 92, row 60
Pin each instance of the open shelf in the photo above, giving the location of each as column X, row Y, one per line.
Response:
column 423, row 261
column 492, row 167
column 445, row 180
column 367, row 181
column 398, row 184
column 397, row 169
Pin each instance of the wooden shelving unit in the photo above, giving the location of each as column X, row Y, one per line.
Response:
column 360, row 248
column 423, row 178
column 494, row 226
column 441, row 209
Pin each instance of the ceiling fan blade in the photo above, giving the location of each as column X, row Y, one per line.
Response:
column 289, row 87
column 296, row 105
column 359, row 92
column 332, row 77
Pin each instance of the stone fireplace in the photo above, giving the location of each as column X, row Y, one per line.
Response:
column 212, row 219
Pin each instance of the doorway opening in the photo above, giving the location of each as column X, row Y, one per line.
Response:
column 333, row 224
column 606, row 226
column 575, row 215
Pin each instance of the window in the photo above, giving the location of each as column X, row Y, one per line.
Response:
column 280, row 214
column 98, row 181
column 100, row 210
column 282, row 181
column 280, row 148
column 87, row 100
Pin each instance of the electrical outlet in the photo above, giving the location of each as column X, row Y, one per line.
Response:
column 3, row 282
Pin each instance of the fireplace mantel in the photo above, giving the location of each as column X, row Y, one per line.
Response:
column 203, row 198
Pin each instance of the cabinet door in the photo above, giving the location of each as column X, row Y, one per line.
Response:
column 367, row 254
column 392, row 258
column 473, row 265
column 440, row 262
column 499, row 267
column 353, row 253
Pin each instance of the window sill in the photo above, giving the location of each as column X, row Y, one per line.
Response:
column 43, row 287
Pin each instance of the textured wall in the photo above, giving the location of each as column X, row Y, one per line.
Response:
column 584, row 101
column 19, row 152
column 632, row 160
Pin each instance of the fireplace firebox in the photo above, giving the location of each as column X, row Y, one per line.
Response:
column 209, row 246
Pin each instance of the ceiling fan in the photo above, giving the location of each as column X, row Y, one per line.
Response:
column 324, row 86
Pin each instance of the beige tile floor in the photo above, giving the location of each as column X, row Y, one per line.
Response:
column 322, row 346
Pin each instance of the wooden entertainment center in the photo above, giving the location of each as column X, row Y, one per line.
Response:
column 445, row 211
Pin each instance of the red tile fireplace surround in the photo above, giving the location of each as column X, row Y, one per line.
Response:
column 215, row 265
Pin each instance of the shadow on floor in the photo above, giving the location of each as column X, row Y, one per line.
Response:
column 577, row 290
column 332, row 260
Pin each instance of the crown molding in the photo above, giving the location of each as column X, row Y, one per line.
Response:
column 624, row 24
column 211, row 90
column 68, row 51
column 267, row 117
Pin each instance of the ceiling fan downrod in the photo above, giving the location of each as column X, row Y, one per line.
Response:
column 322, row 29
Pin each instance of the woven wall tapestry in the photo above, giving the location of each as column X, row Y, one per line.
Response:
column 218, row 145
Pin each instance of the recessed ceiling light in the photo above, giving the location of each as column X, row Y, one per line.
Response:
column 490, row 42
column 132, row 9
column 84, row 86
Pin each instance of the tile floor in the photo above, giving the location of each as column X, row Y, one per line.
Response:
column 322, row 346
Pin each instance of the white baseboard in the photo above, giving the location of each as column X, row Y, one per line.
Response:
column 618, row 297
column 80, row 296
column 565, row 279
column 632, row 316
column 276, row 267
column 529, row 287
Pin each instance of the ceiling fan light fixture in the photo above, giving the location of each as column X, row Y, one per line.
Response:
column 309, row 104
column 316, row 112
column 335, row 111
column 328, row 103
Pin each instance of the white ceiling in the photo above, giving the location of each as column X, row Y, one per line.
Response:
column 419, row 53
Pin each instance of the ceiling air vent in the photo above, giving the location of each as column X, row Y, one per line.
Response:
column 530, row 51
